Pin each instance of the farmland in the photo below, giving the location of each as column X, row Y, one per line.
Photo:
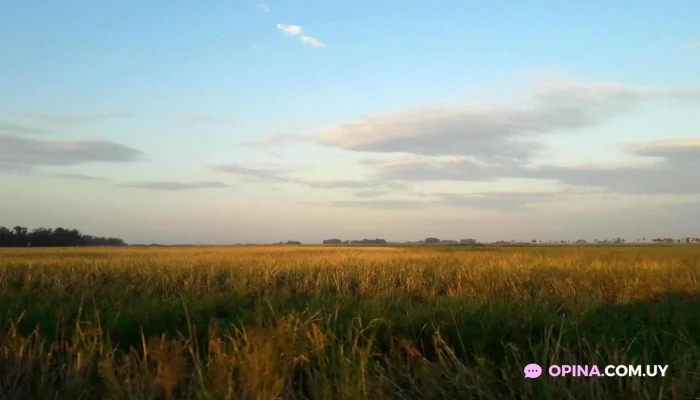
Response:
column 294, row 322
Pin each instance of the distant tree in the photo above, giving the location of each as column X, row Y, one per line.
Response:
column 431, row 240
column 20, row 236
column 363, row 241
column 46, row 237
column 7, row 237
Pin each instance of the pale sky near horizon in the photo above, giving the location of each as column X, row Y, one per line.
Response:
column 220, row 121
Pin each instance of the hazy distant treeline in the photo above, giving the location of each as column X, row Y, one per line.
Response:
column 20, row 236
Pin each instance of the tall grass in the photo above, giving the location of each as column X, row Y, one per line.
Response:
column 346, row 323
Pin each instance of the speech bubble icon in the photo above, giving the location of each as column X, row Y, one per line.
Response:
column 532, row 371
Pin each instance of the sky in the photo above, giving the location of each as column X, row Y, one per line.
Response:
column 222, row 121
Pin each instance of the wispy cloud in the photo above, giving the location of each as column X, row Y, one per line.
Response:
column 277, row 139
column 75, row 119
column 292, row 30
column 677, row 170
column 78, row 177
column 497, row 130
column 19, row 129
column 674, row 169
column 269, row 175
column 296, row 30
column 279, row 175
column 263, row 7
column 385, row 205
column 495, row 201
column 20, row 151
column 32, row 171
column 311, row 41
column 194, row 117
column 370, row 193
column 169, row 186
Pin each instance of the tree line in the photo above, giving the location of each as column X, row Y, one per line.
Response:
column 687, row 240
column 20, row 236
column 363, row 241
column 429, row 240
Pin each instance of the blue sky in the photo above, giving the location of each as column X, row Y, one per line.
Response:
column 230, row 121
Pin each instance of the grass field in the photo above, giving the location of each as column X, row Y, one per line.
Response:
column 346, row 323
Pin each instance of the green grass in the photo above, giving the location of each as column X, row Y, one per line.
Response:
column 346, row 323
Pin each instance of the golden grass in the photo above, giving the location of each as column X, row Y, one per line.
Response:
column 268, row 322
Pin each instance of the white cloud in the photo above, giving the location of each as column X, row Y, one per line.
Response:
column 31, row 157
column 194, row 117
column 296, row 30
column 169, row 186
column 279, row 175
column 263, row 7
column 75, row 119
column 489, row 143
column 19, row 129
column 292, row 30
column 675, row 170
column 313, row 42
column 30, row 153
column 276, row 139
column 496, row 130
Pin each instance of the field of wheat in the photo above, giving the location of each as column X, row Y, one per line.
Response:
column 303, row 322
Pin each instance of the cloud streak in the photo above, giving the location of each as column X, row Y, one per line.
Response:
column 278, row 138
column 491, row 201
column 24, row 152
column 73, row 176
column 33, row 172
column 10, row 128
column 169, row 186
column 278, row 175
column 496, row 130
column 197, row 118
column 384, row 205
column 677, row 170
column 487, row 143
column 313, row 42
column 291, row 30
column 75, row 119
column 296, row 30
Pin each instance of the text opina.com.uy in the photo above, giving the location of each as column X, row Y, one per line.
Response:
column 533, row 371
